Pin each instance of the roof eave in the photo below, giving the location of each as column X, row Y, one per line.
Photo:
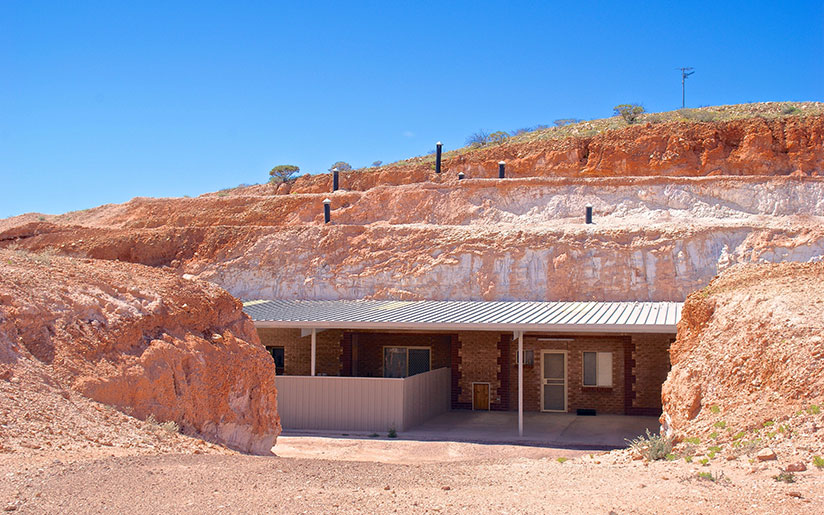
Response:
column 531, row 328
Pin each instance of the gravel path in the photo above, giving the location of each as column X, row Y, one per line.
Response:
column 403, row 477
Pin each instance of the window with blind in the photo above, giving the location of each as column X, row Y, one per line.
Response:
column 597, row 369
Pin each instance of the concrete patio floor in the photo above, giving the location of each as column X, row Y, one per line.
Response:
column 561, row 430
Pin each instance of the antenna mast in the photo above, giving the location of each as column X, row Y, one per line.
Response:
column 685, row 72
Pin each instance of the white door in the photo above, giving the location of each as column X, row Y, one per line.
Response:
column 553, row 381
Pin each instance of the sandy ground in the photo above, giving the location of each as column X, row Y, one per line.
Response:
column 322, row 475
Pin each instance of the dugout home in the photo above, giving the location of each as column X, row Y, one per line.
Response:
column 369, row 365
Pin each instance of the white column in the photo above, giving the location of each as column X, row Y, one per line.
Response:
column 520, row 383
column 314, row 348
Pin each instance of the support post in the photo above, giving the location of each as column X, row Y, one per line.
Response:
column 501, row 169
column 589, row 214
column 460, row 176
column 314, row 350
column 335, row 179
column 520, row 383
column 438, row 150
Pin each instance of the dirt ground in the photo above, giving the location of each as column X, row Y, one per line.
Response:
column 324, row 475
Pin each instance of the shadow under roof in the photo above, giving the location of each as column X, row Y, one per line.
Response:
column 468, row 315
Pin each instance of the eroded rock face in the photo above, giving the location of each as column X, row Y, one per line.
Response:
column 753, row 146
column 654, row 238
column 142, row 340
column 750, row 349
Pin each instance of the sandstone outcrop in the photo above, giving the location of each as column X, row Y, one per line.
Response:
column 750, row 354
column 142, row 340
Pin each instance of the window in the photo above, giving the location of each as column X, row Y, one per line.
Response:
column 277, row 356
column 597, row 369
column 405, row 361
column 529, row 358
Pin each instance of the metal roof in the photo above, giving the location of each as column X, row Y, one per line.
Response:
column 452, row 315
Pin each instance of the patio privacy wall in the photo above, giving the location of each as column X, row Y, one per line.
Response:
column 362, row 403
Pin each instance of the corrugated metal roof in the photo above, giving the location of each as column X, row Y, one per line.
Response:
column 609, row 317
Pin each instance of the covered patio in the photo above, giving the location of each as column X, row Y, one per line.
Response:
column 529, row 371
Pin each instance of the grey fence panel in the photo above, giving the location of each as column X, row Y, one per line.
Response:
column 362, row 403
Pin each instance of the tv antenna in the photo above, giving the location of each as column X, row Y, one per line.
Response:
column 685, row 72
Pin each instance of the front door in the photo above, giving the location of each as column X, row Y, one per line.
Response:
column 553, row 381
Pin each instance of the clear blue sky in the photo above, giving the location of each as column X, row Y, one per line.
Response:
column 104, row 101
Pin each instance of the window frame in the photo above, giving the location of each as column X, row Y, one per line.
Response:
column 598, row 383
column 407, row 348
column 270, row 348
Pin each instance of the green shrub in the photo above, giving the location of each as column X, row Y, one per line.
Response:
column 652, row 446
column 671, row 457
column 790, row 110
column 704, row 461
column 498, row 137
column 697, row 115
column 693, row 440
column 714, row 435
column 785, row 477
column 688, row 459
column 566, row 121
column 629, row 112
column 720, row 424
column 818, row 461
column 715, row 409
column 392, row 433
column 562, row 459
column 709, row 476
column 814, row 410
column 769, row 423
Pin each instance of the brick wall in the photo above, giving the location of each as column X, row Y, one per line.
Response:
column 370, row 349
column 478, row 352
column 604, row 400
column 652, row 364
column 297, row 350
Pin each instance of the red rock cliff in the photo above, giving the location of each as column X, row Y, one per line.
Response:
column 750, row 349
column 142, row 340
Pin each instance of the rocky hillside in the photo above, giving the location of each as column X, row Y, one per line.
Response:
column 748, row 364
column 139, row 339
column 753, row 139
column 675, row 203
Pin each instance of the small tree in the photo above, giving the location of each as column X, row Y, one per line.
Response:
column 499, row 137
column 376, row 164
column 282, row 173
column 478, row 139
column 629, row 112
column 342, row 166
column 566, row 121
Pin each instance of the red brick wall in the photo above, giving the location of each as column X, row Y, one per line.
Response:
column 370, row 349
column 603, row 400
column 297, row 350
column 479, row 354
column 651, row 357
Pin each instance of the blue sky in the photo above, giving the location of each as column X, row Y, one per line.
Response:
column 104, row 101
